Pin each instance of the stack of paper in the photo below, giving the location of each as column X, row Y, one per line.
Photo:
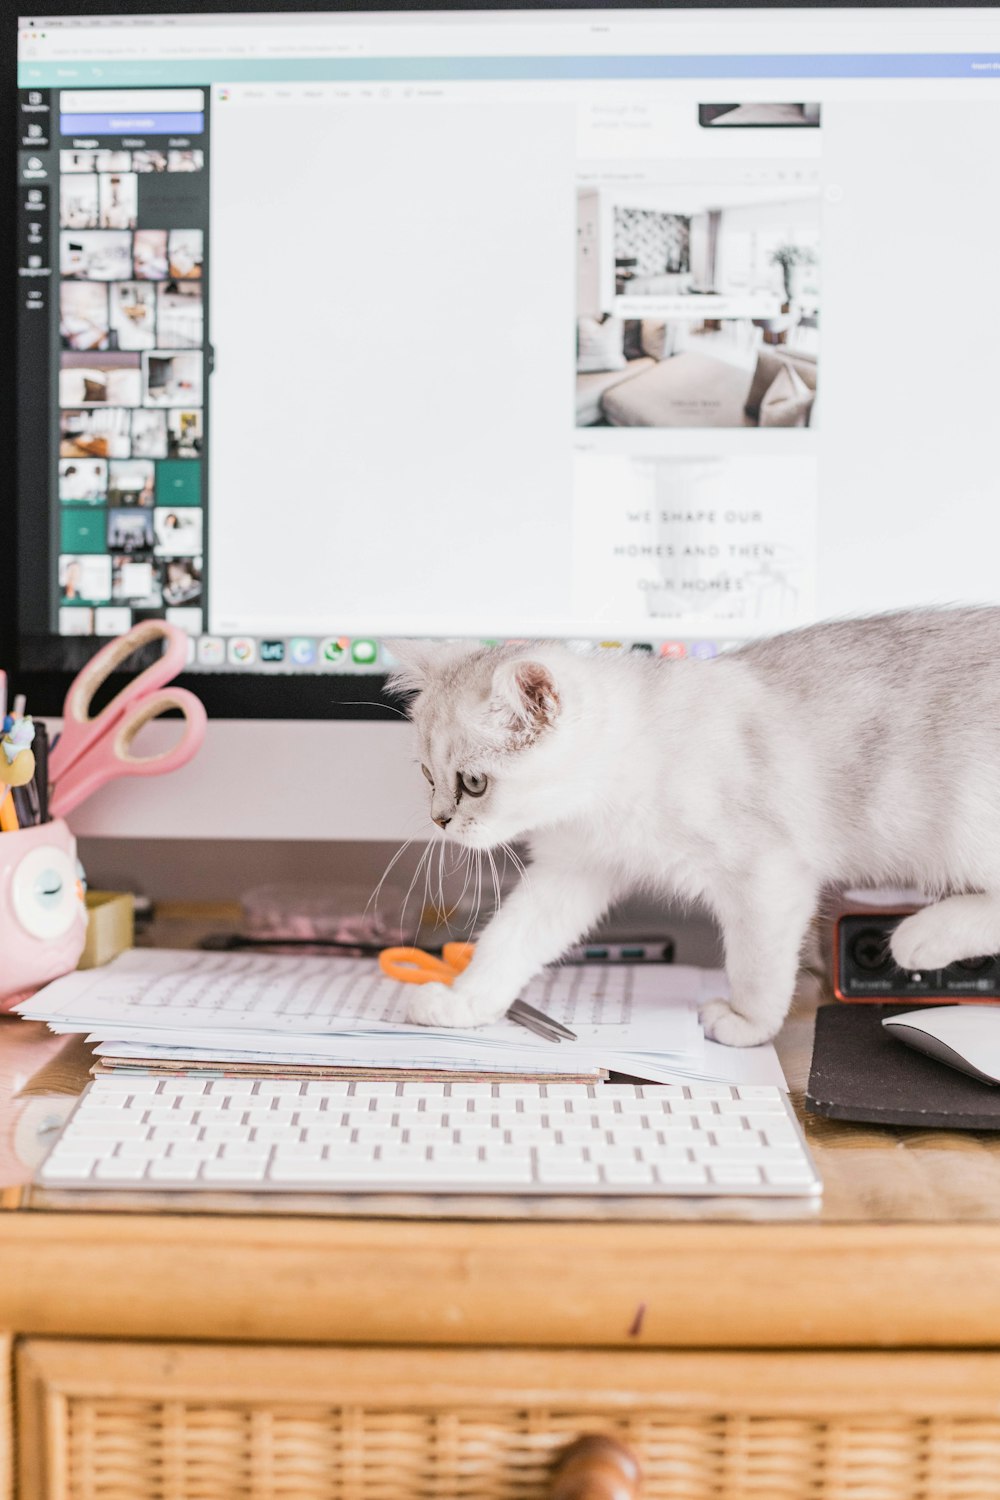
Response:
column 154, row 1007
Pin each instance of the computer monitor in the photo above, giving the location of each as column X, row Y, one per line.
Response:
column 656, row 329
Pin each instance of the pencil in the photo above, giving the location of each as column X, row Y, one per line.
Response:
column 8, row 815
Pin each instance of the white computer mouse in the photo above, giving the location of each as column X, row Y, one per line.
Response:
column 963, row 1036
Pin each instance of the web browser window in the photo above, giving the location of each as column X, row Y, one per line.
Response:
column 664, row 329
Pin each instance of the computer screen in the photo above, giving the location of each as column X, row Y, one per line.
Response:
column 662, row 328
column 651, row 329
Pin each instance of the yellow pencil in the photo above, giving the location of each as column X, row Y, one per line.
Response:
column 8, row 815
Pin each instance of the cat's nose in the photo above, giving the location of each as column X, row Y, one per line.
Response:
column 441, row 822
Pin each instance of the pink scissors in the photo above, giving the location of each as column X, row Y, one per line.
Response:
column 92, row 751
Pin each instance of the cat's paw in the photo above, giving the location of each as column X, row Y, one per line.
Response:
column 932, row 939
column 449, row 1005
column 721, row 1023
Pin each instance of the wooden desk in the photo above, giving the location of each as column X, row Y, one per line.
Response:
column 846, row 1352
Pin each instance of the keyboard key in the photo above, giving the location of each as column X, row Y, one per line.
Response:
column 124, row 1169
column 727, row 1136
column 175, row 1132
column 68, row 1166
column 734, row 1176
column 174, row 1169
column 628, row 1173
column 680, row 1175
column 233, row 1169
column 773, row 1106
column 562, row 1171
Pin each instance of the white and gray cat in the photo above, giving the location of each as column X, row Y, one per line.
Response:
column 862, row 751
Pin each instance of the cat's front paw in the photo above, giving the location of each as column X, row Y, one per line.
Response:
column 721, row 1023
column 933, row 938
column 454, row 1005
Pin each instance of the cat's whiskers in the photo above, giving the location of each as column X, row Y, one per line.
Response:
column 368, row 703
column 522, row 869
column 421, row 865
column 496, row 881
column 372, row 902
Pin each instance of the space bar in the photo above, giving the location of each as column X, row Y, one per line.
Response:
column 419, row 1174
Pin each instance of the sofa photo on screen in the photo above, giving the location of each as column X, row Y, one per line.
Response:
column 659, row 373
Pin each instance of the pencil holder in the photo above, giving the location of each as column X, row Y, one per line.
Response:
column 43, row 919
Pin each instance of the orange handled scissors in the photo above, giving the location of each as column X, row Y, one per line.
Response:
column 414, row 966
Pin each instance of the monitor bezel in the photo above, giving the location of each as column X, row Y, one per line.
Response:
column 251, row 695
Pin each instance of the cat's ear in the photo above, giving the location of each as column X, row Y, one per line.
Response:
column 525, row 699
column 416, row 663
column 412, row 665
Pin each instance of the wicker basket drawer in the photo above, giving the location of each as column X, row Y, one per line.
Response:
column 193, row 1422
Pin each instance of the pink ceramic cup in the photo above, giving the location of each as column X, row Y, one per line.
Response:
column 43, row 918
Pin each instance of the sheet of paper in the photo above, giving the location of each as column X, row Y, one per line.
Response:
column 137, row 1055
column 750, row 1065
column 152, row 992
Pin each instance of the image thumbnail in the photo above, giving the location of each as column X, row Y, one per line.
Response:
column 100, row 380
column 178, row 532
column 179, row 315
column 136, row 581
column 83, row 480
column 130, row 530
column 84, row 577
column 755, row 116
column 100, row 433
column 76, row 620
column 150, row 250
column 78, row 202
column 149, row 434
column 185, row 161
column 171, row 379
column 113, row 161
column 698, row 540
column 95, row 255
column 131, row 481
column 112, row 619
column 187, row 619
column 133, row 314
column 184, row 436
column 149, row 161
column 119, row 200
column 182, row 581
column 83, row 315
column 185, row 253
column 697, row 307
column 78, row 161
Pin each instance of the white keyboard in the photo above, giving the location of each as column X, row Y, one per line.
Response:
column 277, row 1135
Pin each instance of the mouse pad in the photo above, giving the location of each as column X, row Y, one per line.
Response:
column 860, row 1072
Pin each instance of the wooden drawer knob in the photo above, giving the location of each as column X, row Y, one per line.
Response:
column 596, row 1468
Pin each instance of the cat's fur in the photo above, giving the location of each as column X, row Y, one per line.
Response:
column 862, row 751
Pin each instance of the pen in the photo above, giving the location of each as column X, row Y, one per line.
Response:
column 21, row 798
column 41, row 783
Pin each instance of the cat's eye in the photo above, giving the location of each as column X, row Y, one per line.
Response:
column 427, row 773
column 469, row 782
